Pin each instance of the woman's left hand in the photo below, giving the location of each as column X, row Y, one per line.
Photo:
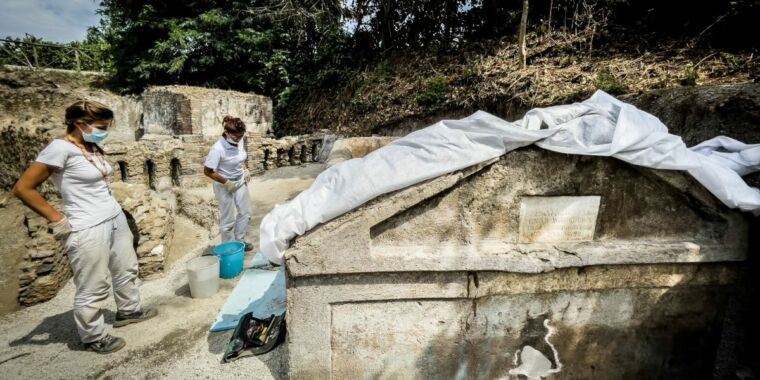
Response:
column 247, row 175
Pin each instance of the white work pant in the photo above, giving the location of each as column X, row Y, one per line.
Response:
column 95, row 254
column 232, row 225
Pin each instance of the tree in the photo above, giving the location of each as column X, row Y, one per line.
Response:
column 521, row 38
column 255, row 46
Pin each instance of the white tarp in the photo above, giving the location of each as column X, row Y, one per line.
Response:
column 599, row 126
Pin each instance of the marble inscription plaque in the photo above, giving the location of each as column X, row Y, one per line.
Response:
column 553, row 219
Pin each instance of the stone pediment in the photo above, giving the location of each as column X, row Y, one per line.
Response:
column 529, row 211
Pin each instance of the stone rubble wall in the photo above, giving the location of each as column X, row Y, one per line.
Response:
column 18, row 149
column 149, row 204
column 156, row 147
column 45, row 268
column 151, row 216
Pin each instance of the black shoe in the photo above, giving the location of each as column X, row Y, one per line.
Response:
column 108, row 344
column 248, row 247
column 136, row 317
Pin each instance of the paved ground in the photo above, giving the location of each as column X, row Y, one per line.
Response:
column 40, row 342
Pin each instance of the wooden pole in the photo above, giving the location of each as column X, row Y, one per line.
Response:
column 36, row 59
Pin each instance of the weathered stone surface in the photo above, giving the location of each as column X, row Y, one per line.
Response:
column 435, row 281
column 355, row 147
column 45, row 267
column 41, row 254
column 548, row 219
column 149, row 212
column 185, row 110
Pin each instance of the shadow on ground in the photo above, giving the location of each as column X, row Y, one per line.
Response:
column 59, row 328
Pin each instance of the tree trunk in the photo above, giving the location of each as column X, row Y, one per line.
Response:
column 521, row 39
column 549, row 22
column 386, row 26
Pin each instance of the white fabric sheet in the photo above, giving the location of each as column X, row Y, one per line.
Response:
column 599, row 126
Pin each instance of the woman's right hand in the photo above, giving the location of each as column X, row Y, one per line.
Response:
column 60, row 229
column 231, row 186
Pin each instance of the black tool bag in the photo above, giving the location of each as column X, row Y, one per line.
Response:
column 255, row 336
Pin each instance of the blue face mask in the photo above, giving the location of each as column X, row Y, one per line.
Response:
column 96, row 136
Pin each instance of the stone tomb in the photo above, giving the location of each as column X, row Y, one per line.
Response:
column 534, row 265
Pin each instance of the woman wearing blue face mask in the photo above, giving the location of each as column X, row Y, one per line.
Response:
column 92, row 227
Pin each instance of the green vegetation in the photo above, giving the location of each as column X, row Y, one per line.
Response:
column 297, row 50
column 434, row 93
column 690, row 75
column 610, row 84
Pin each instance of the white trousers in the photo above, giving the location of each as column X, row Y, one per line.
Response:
column 95, row 254
column 232, row 225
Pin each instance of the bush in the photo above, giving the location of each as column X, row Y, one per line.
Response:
column 434, row 94
column 608, row 83
column 690, row 75
column 384, row 72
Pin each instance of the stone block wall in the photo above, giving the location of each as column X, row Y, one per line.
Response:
column 151, row 219
column 45, row 268
column 288, row 151
column 128, row 114
column 169, row 162
column 210, row 107
column 165, row 112
column 183, row 110
column 147, row 161
column 194, row 152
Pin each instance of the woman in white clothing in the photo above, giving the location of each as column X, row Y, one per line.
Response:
column 92, row 227
column 225, row 164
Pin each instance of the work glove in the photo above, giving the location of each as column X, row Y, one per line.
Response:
column 230, row 185
column 60, row 229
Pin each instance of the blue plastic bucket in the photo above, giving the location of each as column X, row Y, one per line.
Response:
column 231, row 256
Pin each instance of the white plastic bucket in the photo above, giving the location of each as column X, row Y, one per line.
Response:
column 203, row 276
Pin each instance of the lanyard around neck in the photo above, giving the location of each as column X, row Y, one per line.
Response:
column 88, row 156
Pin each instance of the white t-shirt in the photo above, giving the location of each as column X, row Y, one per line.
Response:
column 86, row 199
column 226, row 159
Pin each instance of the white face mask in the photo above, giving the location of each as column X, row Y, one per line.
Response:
column 231, row 141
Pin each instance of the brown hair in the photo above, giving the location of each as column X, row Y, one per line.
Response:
column 87, row 111
column 233, row 124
